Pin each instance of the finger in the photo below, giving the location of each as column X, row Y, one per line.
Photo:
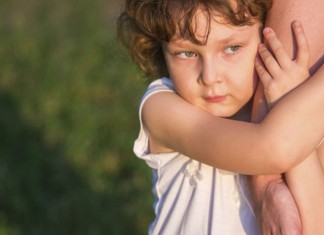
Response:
column 276, row 47
column 269, row 61
column 260, row 108
column 302, row 57
column 263, row 74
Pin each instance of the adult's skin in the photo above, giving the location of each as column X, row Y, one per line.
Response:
column 274, row 205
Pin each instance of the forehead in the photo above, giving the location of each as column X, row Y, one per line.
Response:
column 195, row 24
column 204, row 22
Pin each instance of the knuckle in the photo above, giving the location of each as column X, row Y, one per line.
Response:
column 263, row 74
column 272, row 87
column 266, row 57
column 278, row 50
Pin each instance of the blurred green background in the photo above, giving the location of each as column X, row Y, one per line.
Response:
column 68, row 119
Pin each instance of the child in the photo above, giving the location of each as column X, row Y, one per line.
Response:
column 209, row 54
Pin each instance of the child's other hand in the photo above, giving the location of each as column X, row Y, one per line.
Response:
column 277, row 72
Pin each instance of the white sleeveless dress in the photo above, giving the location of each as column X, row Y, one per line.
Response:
column 192, row 198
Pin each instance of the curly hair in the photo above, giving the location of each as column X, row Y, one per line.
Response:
column 144, row 24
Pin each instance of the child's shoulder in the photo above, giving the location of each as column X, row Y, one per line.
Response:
column 161, row 83
column 158, row 85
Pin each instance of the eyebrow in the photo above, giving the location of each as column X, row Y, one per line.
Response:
column 182, row 42
column 228, row 39
column 238, row 34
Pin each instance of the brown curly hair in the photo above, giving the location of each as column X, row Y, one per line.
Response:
column 145, row 24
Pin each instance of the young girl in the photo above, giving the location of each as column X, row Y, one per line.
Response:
column 208, row 50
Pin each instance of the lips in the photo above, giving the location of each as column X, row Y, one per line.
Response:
column 216, row 99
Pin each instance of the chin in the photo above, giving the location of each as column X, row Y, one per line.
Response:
column 224, row 114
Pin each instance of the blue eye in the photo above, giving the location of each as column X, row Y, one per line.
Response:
column 186, row 54
column 232, row 49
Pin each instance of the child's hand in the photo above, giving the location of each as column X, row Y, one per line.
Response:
column 277, row 72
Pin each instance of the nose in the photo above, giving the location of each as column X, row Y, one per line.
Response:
column 211, row 72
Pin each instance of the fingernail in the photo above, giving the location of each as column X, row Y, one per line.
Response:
column 261, row 46
column 267, row 30
column 296, row 23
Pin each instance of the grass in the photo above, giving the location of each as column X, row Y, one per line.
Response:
column 68, row 120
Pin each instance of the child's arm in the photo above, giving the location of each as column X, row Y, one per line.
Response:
column 272, row 146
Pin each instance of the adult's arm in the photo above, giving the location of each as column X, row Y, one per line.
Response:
column 279, row 18
column 306, row 182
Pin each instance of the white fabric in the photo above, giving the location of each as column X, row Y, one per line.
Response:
column 192, row 198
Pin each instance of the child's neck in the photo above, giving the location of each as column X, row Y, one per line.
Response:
column 244, row 114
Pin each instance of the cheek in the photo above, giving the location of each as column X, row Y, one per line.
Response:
column 250, row 83
column 251, row 76
column 180, row 73
column 255, row 80
column 245, row 84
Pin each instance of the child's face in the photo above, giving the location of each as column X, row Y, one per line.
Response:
column 218, row 76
